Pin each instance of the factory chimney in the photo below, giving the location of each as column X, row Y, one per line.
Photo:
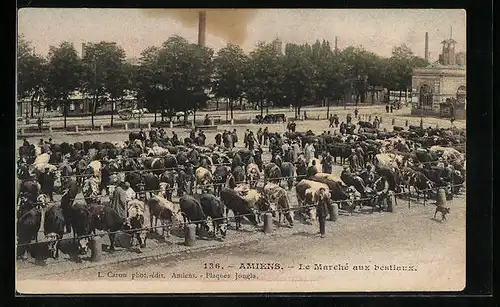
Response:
column 336, row 49
column 83, row 50
column 202, row 28
column 426, row 46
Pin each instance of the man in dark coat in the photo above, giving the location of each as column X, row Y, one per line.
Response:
column 322, row 212
column 47, row 180
column 258, row 157
column 218, row 139
column 260, row 135
column 311, row 170
column 181, row 182
column 175, row 138
column 327, row 162
column 235, row 137
column 336, row 120
column 266, row 135
column 192, row 134
column 353, row 160
column 119, row 202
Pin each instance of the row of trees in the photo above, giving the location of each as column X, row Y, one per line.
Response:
column 179, row 75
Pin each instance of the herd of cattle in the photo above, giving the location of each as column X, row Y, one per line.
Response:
column 211, row 180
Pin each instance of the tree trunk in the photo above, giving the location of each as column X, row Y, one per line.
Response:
column 65, row 112
column 327, row 108
column 231, row 102
column 261, row 109
column 112, row 111
column 194, row 117
column 32, row 104
column 217, row 104
column 227, row 110
column 400, row 94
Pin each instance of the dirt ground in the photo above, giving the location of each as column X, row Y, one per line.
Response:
column 408, row 237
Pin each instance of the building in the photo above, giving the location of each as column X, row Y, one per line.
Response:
column 440, row 87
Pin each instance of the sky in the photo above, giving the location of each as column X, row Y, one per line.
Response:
column 377, row 30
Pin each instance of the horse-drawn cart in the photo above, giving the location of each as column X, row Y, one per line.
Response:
column 127, row 114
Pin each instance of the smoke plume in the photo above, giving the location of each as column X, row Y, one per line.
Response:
column 228, row 24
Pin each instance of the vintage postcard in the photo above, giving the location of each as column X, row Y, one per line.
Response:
column 240, row 150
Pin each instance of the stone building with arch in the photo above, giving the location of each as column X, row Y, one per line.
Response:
column 440, row 87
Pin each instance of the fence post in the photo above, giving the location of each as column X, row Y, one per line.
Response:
column 149, row 126
column 212, row 121
column 380, row 119
column 50, row 129
column 406, row 123
column 335, row 212
column 96, row 249
column 369, row 118
column 102, row 128
column 437, row 125
column 126, row 126
column 76, row 128
column 171, row 125
column 190, row 234
column 393, row 121
column 268, row 222
column 22, row 130
column 232, row 122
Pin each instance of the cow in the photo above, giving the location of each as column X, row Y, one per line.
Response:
column 107, row 219
column 90, row 190
column 240, row 207
column 164, row 210
column 307, row 194
column 252, row 175
column 71, row 190
column 220, row 175
column 136, row 136
column 81, row 223
column 135, row 218
column 337, row 191
column 351, row 179
column 272, row 173
column 393, row 177
column 421, row 184
column 212, row 207
column 168, row 177
column 53, row 228
column 28, row 225
column 203, row 178
column 277, row 197
column 192, row 212
column 288, row 172
column 385, row 160
column 239, row 174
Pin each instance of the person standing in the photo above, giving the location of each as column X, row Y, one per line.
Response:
column 119, row 202
column 266, row 136
column 218, row 139
column 336, row 120
column 235, row 138
column 260, row 135
column 321, row 212
column 356, row 113
column 251, row 141
column 331, row 121
column 391, row 108
column 311, row 170
column 387, row 108
column 327, row 162
column 245, row 138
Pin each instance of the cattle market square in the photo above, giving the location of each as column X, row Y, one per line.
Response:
column 224, row 189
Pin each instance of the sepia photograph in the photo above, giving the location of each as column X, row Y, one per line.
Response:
column 240, row 150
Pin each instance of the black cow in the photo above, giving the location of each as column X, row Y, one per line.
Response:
column 287, row 170
column 81, row 222
column 272, row 173
column 27, row 229
column 393, row 178
column 107, row 219
column 213, row 207
column 239, row 174
column 53, row 228
column 136, row 136
column 220, row 175
column 364, row 124
column 234, row 202
column 71, row 190
column 192, row 212
column 351, row 180
column 421, row 184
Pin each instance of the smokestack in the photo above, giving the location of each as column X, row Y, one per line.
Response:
column 202, row 28
column 83, row 50
column 336, row 49
column 426, row 46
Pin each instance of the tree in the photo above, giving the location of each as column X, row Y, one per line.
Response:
column 30, row 72
column 402, row 63
column 299, row 74
column 229, row 68
column 264, row 74
column 103, row 73
column 150, row 86
column 186, row 74
column 63, row 75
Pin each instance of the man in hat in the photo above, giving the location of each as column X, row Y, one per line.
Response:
column 47, row 179
column 266, row 135
column 327, row 163
column 119, row 201
column 311, row 170
column 321, row 212
column 182, row 177
column 353, row 160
